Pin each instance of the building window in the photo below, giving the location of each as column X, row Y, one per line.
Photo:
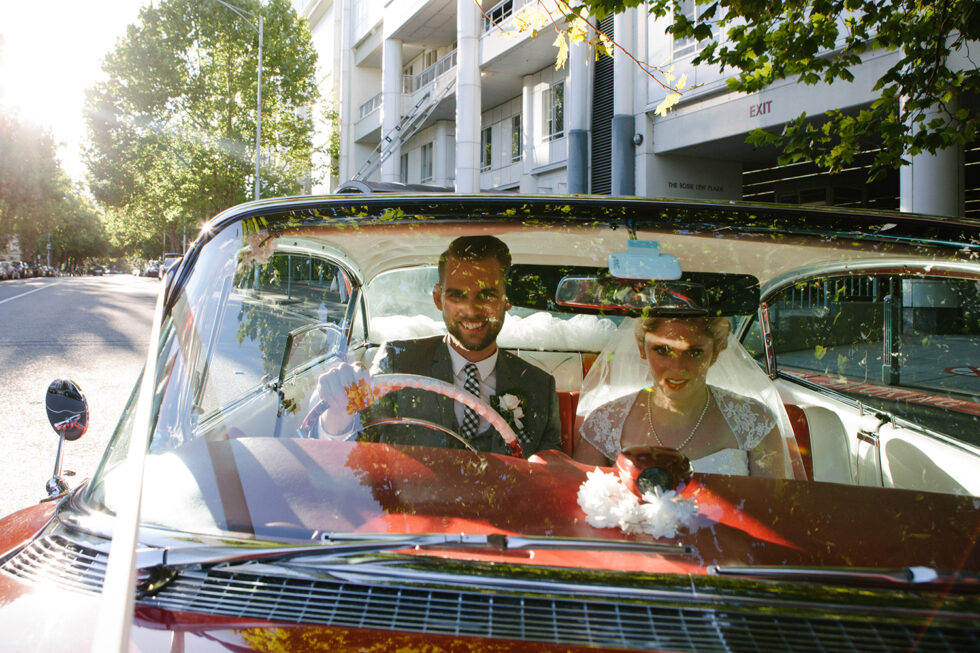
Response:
column 427, row 162
column 515, row 138
column 486, row 148
column 497, row 13
column 555, row 110
column 687, row 46
column 403, row 169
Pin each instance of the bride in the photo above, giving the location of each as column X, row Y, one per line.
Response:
column 679, row 405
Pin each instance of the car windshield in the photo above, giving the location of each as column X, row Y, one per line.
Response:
column 265, row 306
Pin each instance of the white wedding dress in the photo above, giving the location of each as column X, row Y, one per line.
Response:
column 748, row 419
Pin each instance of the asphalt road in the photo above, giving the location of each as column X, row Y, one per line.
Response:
column 94, row 330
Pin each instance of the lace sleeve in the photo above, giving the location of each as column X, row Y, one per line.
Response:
column 748, row 419
column 603, row 427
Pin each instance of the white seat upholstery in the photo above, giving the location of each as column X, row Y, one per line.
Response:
column 565, row 366
column 828, row 446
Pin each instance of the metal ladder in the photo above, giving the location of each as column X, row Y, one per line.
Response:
column 409, row 124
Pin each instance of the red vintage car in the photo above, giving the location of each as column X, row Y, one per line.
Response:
column 826, row 498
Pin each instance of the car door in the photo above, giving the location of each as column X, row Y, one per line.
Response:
column 883, row 360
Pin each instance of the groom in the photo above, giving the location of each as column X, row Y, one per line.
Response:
column 472, row 296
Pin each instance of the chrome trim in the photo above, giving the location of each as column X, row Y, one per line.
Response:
column 767, row 341
column 904, row 576
column 924, row 267
column 870, row 437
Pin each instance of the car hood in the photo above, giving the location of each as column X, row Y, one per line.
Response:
column 272, row 488
column 376, row 488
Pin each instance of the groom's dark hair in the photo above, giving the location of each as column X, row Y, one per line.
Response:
column 475, row 248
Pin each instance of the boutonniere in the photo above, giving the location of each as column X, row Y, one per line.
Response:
column 510, row 405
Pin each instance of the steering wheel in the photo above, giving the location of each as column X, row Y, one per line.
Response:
column 382, row 384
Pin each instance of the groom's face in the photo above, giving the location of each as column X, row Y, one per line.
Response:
column 473, row 301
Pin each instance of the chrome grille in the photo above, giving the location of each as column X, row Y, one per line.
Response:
column 578, row 620
column 569, row 621
column 54, row 559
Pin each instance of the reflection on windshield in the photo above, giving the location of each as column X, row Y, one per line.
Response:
column 235, row 387
column 285, row 293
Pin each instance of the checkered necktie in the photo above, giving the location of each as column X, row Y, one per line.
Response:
column 471, row 421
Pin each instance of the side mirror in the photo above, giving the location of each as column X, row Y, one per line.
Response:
column 68, row 413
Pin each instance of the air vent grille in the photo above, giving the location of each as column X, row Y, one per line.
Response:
column 567, row 620
column 54, row 559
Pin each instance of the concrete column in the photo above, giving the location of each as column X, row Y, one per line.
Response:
column 528, row 122
column 441, row 170
column 577, row 113
column 624, row 122
column 468, row 100
column 391, row 101
column 934, row 183
column 348, row 166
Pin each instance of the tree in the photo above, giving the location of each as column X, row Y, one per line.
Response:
column 79, row 232
column 38, row 200
column 32, row 183
column 172, row 128
column 922, row 102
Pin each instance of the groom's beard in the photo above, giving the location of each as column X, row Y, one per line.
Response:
column 475, row 339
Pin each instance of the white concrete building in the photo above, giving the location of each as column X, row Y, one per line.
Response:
column 448, row 93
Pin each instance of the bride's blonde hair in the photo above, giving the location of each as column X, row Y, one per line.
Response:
column 717, row 328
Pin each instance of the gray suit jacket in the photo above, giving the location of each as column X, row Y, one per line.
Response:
column 430, row 357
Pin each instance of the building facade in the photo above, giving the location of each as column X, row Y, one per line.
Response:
column 451, row 93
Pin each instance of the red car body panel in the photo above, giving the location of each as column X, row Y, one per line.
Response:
column 380, row 488
column 377, row 488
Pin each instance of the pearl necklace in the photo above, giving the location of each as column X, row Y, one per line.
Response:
column 704, row 410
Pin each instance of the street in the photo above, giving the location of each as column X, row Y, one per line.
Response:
column 94, row 330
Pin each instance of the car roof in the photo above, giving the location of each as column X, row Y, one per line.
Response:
column 445, row 216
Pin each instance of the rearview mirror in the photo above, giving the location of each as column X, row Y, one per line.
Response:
column 626, row 295
column 583, row 289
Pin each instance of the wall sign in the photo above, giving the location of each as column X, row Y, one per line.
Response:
column 760, row 109
column 687, row 185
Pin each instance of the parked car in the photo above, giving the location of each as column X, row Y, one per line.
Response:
column 151, row 269
column 167, row 262
column 258, row 533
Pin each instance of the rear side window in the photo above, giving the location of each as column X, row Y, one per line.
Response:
column 909, row 345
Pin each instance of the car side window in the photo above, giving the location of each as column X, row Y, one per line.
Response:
column 905, row 344
column 286, row 294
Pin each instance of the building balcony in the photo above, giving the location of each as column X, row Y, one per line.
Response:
column 367, row 129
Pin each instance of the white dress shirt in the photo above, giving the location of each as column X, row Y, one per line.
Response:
column 487, row 371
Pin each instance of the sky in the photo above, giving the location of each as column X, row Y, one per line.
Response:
column 51, row 51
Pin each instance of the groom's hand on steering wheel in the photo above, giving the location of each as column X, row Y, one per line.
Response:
column 344, row 390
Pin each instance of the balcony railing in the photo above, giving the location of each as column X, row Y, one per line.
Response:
column 412, row 83
column 369, row 106
column 501, row 12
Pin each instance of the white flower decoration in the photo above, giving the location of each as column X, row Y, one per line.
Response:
column 607, row 504
column 510, row 402
column 510, row 408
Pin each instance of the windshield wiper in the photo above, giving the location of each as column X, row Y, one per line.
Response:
column 909, row 576
column 339, row 545
column 502, row 542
